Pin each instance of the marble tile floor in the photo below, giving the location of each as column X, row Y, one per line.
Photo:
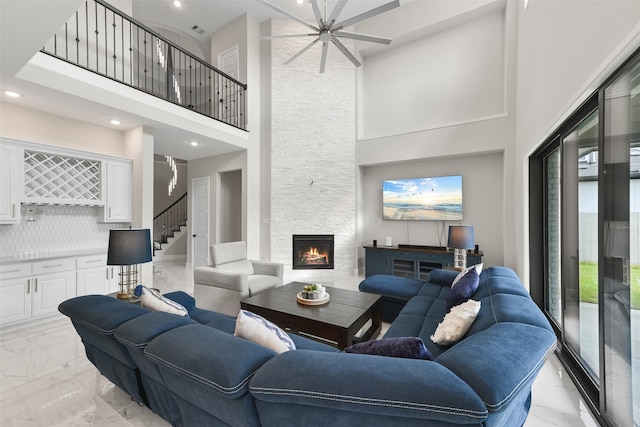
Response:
column 46, row 379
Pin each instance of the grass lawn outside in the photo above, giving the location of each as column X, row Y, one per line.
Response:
column 589, row 283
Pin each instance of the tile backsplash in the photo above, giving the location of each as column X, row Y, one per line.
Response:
column 54, row 229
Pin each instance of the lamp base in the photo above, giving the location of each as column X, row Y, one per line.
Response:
column 459, row 259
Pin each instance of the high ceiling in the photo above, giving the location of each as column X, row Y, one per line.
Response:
column 21, row 20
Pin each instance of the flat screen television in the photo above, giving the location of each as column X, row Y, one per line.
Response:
column 423, row 199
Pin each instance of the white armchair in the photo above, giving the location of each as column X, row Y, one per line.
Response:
column 232, row 277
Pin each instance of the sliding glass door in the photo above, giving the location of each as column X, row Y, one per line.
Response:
column 580, row 240
column 588, row 173
column 621, row 264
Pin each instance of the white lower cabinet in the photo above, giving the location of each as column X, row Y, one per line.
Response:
column 15, row 300
column 32, row 290
column 92, row 275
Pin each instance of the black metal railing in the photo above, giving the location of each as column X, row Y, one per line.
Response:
column 167, row 222
column 100, row 38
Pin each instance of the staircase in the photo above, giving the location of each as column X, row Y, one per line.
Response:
column 169, row 228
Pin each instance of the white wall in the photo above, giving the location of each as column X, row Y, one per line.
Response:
column 452, row 113
column 213, row 167
column 583, row 42
column 29, row 125
column 451, row 76
column 244, row 32
column 482, row 182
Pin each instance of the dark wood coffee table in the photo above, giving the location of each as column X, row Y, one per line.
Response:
column 335, row 322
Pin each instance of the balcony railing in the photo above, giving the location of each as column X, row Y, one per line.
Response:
column 100, row 38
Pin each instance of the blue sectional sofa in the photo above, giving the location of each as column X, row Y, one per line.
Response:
column 193, row 371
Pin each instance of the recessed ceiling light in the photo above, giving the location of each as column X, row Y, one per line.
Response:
column 114, row 122
column 12, row 94
column 194, row 143
column 177, row 3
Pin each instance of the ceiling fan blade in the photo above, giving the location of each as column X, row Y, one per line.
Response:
column 290, row 15
column 336, row 11
column 346, row 52
column 363, row 37
column 366, row 15
column 284, row 36
column 306, row 48
column 317, row 13
column 323, row 59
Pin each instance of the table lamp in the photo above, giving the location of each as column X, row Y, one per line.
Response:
column 128, row 248
column 460, row 239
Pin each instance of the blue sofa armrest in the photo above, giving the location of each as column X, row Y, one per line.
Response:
column 182, row 298
column 299, row 382
column 496, row 381
column 442, row 277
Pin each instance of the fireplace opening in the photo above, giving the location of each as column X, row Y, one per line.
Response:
column 312, row 251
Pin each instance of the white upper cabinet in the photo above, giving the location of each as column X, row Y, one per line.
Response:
column 37, row 174
column 10, row 183
column 118, row 191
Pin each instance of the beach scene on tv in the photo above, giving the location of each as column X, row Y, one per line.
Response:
column 417, row 199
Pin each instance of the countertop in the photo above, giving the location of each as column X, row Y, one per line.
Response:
column 35, row 255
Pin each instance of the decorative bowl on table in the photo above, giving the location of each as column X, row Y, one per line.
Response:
column 313, row 295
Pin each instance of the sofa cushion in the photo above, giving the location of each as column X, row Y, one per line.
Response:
column 151, row 299
column 407, row 347
column 223, row 253
column 256, row 328
column 463, row 288
column 208, row 357
column 456, row 323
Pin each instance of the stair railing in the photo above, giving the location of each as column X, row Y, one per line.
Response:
column 167, row 222
column 101, row 39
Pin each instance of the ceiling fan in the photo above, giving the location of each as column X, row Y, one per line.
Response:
column 327, row 30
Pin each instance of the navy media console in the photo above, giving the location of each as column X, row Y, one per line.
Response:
column 411, row 261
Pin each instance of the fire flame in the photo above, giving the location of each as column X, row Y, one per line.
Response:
column 314, row 256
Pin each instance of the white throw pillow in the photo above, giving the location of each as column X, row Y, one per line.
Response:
column 151, row 299
column 256, row 328
column 456, row 323
column 478, row 268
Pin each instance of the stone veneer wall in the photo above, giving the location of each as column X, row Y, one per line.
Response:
column 313, row 123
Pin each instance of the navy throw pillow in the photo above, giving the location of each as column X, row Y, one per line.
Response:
column 463, row 289
column 407, row 347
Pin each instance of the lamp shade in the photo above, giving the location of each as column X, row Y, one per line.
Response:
column 129, row 247
column 461, row 237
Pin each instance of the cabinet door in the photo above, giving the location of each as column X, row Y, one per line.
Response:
column 10, row 184
column 15, row 300
column 91, row 281
column 118, row 191
column 376, row 262
column 49, row 290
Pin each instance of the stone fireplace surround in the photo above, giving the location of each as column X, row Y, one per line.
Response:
column 312, row 141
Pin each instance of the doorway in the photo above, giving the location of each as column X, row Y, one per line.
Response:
column 200, row 221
